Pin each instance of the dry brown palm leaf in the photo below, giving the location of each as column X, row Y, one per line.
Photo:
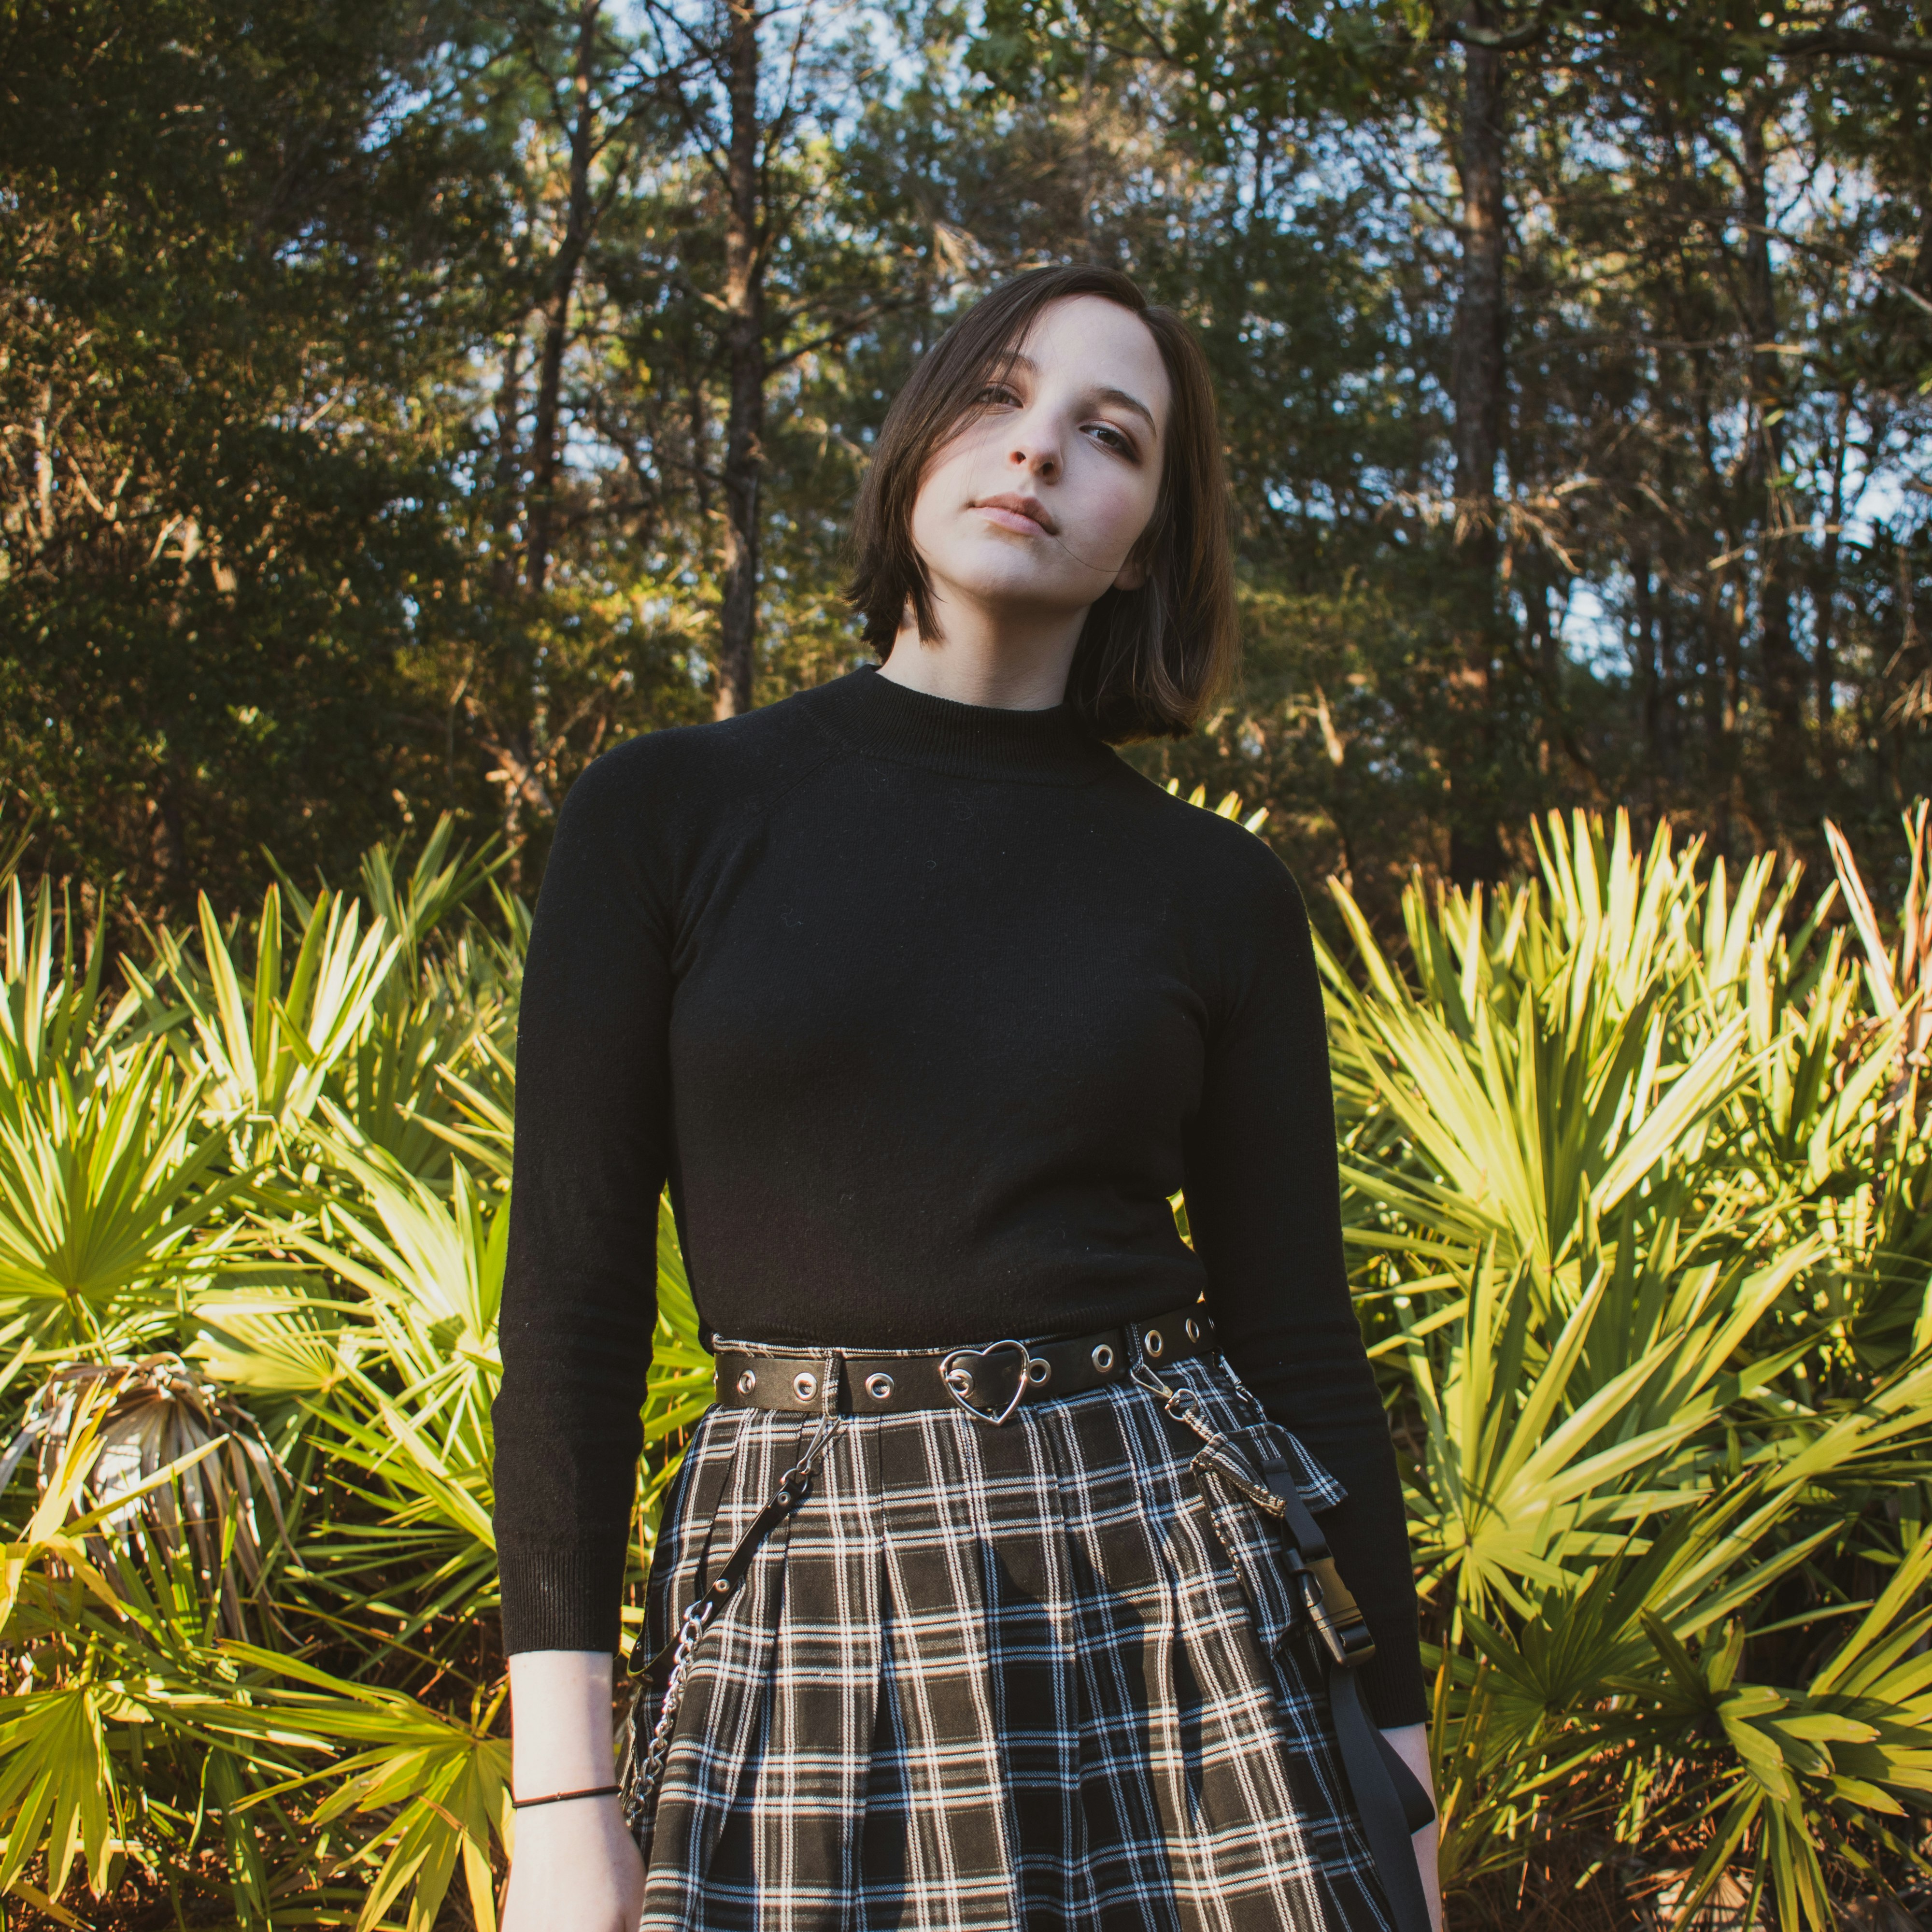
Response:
column 159, row 1411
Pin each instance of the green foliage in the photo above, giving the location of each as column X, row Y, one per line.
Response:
column 1635, row 1181
column 374, row 384
column 1613, row 1141
column 284, row 1152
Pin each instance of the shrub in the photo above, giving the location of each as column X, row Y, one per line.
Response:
column 1637, row 1184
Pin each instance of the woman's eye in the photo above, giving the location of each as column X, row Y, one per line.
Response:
column 996, row 393
column 1113, row 439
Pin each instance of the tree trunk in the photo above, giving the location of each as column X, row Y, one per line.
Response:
column 1650, row 682
column 1783, row 696
column 503, row 513
column 1825, row 601
column 1718, row 720
column 1545, row 650
column 544, row 451
column 1475, row 848
column 1671, row 723
column 745, row 352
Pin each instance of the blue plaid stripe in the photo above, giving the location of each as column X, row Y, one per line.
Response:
column 994, row 1678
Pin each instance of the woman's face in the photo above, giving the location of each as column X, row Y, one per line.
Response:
column 1032, row 506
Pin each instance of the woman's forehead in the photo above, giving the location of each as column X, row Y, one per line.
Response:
column 1109, row 350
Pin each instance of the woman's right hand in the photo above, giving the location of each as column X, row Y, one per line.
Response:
column 577, row 1869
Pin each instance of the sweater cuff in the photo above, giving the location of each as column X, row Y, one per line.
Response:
column 567, row 1598
column 1392, row 1682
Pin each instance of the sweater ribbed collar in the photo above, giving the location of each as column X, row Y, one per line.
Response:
column 873, row 713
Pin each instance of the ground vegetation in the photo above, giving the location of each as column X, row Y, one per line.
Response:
column 1638, row 1191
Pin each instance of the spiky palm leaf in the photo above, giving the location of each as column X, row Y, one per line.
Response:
column 264, row 1046
column 435, row 1790
column 111, row 1199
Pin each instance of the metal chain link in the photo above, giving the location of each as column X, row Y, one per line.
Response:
column 1183, row 1404
column 640, row 1794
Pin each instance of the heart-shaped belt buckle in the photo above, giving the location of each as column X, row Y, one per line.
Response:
column 966, row 1374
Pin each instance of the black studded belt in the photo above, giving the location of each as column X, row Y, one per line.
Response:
column 991, row 1382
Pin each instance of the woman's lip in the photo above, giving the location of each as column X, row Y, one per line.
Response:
column 1010, row 520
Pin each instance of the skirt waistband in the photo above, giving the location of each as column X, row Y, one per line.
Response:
column 991, row 1382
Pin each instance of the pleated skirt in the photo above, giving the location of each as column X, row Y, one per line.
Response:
column 1045, row 1675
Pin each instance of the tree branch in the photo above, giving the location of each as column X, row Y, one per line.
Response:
column 1849, row 41
column 842, row 330
column 1498, row 40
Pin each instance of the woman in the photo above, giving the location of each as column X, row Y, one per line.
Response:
column 925, row 1004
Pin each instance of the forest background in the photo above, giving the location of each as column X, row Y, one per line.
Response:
column 400, row 401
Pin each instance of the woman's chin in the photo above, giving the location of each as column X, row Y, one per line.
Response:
column 1018, row 589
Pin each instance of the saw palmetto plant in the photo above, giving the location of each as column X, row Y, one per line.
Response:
column 222, row 1508
column 1638, row 1192
column 1637, row 1252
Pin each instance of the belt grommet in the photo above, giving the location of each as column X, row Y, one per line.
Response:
column 805, row 1385
column 1154, row 1345
column 747, row 1382
column 1039, row 1369
column 1103, row 1357
column 879, row 1387
column 1193, row 1328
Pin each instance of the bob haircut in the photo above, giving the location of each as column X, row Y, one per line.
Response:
column 1150, row 662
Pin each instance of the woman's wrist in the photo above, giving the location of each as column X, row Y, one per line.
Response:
column 523, row 1803
column 561, row 1734
column 1410, row 1742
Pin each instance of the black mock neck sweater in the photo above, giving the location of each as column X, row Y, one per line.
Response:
column 923, row 1010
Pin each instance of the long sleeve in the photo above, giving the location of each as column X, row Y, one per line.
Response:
column 580, row 1283
column 1263, row 1207
column 877, row 910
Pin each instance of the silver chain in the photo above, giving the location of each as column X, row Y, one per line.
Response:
column 638, row 1799
column 640, row 1795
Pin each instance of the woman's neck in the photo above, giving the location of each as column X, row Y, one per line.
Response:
column 1014, row 668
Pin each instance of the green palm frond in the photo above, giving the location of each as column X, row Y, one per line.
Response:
column 681, row 1383
column 432, row 1792
column 405, row 1412
column 108, row 1193
column 266, row 1045
column 51, row 1009
column 58, row 1796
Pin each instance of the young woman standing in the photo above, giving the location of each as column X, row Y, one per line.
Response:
column 997, row 1591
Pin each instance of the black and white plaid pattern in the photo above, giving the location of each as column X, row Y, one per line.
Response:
column 1035, row 1676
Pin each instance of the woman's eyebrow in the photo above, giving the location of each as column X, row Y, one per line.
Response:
column 1018, row 359
column 1127, row 402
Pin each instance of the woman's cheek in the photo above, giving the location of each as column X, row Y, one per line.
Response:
column 1127, row 514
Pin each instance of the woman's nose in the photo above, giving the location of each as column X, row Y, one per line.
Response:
column 1036, row 455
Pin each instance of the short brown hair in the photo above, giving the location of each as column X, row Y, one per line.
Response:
column 1151, row 662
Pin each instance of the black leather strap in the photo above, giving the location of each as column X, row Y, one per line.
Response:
column 998, row 1373
column 1389, row 1797
column 794, row 1485
column 724, row 1585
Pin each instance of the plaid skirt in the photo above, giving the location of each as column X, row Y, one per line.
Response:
column 1038, row 1676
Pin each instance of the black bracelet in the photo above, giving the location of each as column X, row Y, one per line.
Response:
column 558, row 1797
